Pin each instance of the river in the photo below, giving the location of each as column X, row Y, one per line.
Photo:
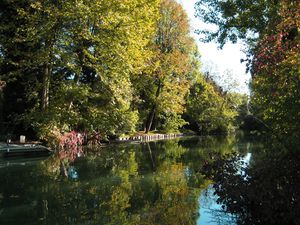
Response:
column 193, row 180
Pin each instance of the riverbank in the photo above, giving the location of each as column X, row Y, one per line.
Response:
column 74, row 139
column 14, row 150
column 151, row 137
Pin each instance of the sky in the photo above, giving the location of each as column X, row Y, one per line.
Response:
column 221, row 60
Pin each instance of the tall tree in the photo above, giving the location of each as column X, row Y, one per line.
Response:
column 2, row 86
column 74, row 59
column 275, row 73
column 166, row 83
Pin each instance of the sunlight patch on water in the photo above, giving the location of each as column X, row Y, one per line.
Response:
column 211, row 213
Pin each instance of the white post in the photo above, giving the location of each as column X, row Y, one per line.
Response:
column 22, row 139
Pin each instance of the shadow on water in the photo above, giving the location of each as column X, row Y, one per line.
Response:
column 263, row 190
column 164, row 182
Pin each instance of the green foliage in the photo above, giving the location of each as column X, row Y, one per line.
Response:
column 162, row 87
column 235, row 19
column 276, row 73
column 73, row 60
column 271, row 30
column 210, row 110
column 101, row 66
column 172, row 123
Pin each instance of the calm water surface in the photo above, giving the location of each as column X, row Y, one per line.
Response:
column 211, row 180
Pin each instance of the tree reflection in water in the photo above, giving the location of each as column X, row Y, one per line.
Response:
column 149, row 183
column 266, row 191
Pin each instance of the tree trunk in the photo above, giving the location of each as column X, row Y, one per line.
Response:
column 46, row 86
column 81, row 59
column 76, row 79
column 1, row 112
column 153, row 110
column 150, row 119
column 47, row 71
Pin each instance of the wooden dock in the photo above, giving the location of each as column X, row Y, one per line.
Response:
column 26, row 150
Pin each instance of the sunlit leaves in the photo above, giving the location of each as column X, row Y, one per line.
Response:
column 234, row 19
column 210, row 109
column 271, row 31
column 164, row 84
column 81, row 54
column 276, row 72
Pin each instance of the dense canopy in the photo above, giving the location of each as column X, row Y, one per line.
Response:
column 103, row 66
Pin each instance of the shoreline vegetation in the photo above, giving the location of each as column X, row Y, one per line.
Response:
column 108, row 70
column 64, row 73
column 97, row 141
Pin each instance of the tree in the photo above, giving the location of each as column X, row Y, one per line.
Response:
column 72, row 61
column 2, row 86
column 209, row 108
column 271, row 30
column 236, row 19
column 165, row 84
column 275, row 73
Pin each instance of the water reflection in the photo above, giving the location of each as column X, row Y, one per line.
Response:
column 263, row 190
column 212, row 212
column 151, row 183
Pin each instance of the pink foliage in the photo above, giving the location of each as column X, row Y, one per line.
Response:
column 271, row 52
column 70, row 145
column 274, row 48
